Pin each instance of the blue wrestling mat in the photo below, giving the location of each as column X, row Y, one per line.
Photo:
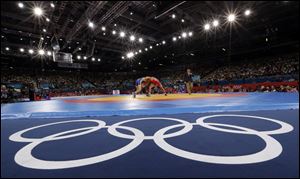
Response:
column 218, row 135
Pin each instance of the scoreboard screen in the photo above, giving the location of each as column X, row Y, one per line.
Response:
column 62, row 57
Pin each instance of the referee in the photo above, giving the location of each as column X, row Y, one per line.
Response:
column 188, row 80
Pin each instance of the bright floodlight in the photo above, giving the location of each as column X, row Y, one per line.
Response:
column 47, row 19
column 21, row 49
column 30, row 51
column 173, row 16
column 190, row 34
column 184, row 34
column 78, row 57
column 114, row 32
column 231, row 17
column 7, row 48
column 146, row 49
column 103, row 28
column 247, row 12
column 41, row 52
column 93, row 59
column 84, row 57
column 91, row 24
column 140, row 51
column 163, row 42
column 123, row 57
column 99, row 59
column 37, row 11
column 206, row 26
column 49, row 53
column 44, row 30
column 21, row 5
column 140, row 40
column 174, row 39
column 52, row 5
column 122, row 34
column 132, row 38
column 182, row 20
column 150, row 47
column 130, row 55
column 215, row 23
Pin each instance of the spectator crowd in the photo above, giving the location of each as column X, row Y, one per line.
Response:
column 15, row 83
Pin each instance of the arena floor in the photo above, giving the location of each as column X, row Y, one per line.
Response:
column 179, row 135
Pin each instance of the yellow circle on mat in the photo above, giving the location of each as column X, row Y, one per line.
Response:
column 157, row 97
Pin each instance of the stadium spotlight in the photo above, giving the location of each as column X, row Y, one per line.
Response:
column 150, row 47
column 103, row 28
column 41, row 52
column 215, row 23
column 140, row 51
column 206, row 27
column 30, row 51
column 91, row 24
column 247, row 12
column 47, row 19
column 132, row 38
column 37, row 11
column 182, row 20
column 44, row 30
column 129, row 55
column 22, row 50
column 7, row 48
column 184, row 34
column 52, row 5
column 173, row 16
column 231, row 17
column 163, row 42
column 84, row 58
column 78, row 57
column 49, row 53
column 174, row 39
column 136, row 53
column 21, row 5
column 114, row 32
column 99, row 59
column 141, row 40
column 93, row 59
column 146, row 49
column 190, row 34
column 122, row 34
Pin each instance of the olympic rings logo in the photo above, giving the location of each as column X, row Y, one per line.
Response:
column 272, row 148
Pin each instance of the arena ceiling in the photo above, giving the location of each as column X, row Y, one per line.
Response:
column 92, row 29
